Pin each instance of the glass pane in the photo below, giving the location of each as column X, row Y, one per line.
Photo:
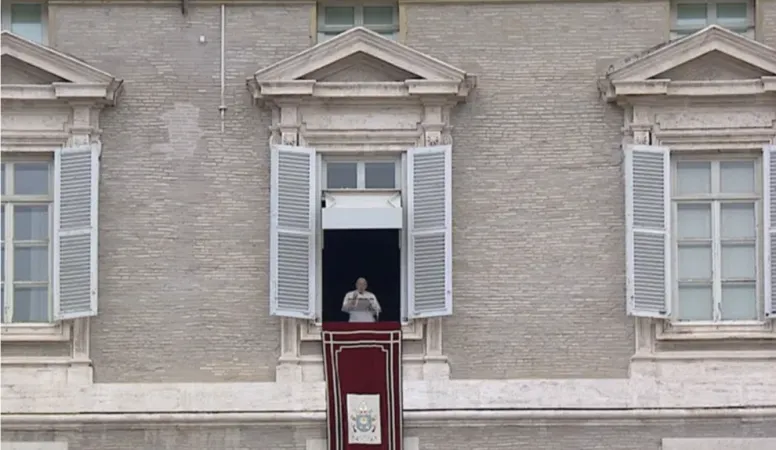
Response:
column 695, row 303
column 30, row 304
column 339, row 15
column 691, row 15
column 732, row 14
column 739, row 261
column 380, row 175
column 2, row 223
column 693, row 178
column 2, row 179
column 739, row 301
column 2, row 263
column 737, row 177
column 30, row 263
column 694, row 262
column 341, row 175
column 738, row 220
column 31, row 223
column 31, row 179
column 2, row 301
column 27, row 20
column 694, row 221
column 378, row 15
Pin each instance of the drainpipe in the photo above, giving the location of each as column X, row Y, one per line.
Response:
column 222, row 106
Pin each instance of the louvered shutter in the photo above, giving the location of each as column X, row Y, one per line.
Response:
column 769, row 215
column 292, row 232
column 647, row 216
column 76, row 194
column 429, row 219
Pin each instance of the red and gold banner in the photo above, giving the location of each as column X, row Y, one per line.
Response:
column 362, row 363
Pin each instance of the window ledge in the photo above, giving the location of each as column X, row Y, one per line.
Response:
column 48, row 332
column 693, row 332
column 412, row 331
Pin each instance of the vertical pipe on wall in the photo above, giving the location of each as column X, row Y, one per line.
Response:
column 222, row 106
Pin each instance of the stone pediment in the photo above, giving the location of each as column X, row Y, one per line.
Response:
column 32, row 71
column 711, row 62
column 360, row 64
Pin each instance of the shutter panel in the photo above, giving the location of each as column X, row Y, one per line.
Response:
column 769, row 216
column 429, row 221
column 647, row 215
column 292, row 232
column 76, row 194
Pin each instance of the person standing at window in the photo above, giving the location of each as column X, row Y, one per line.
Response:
column 361, row 304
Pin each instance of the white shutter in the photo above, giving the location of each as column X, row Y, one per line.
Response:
column 769, row 215
column 76, row 195
column 292, row 232
column 647, row 217
column 429, row 221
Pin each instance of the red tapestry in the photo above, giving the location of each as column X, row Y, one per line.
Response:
column 362, row 364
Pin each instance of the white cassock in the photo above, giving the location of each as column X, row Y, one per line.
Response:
column 365, row 309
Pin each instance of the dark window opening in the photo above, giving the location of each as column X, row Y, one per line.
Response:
column 372, row 254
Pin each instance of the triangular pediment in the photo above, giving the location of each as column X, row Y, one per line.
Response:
column 712, row 54
column 361, row 49
column 360, row 67
column 16, row 71
column 44, row 63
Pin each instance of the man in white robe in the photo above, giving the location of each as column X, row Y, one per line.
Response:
column 361, row 304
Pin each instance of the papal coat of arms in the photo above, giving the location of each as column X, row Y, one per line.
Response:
column 364, row 419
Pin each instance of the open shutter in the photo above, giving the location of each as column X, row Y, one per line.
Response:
column 76, row 194
column 429, row 219
column 769, row 216
column 292, row 232
column 647, row 217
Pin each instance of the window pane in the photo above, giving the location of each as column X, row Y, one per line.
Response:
column 737, row 177
column 733, row 15
column 341, row 175
column 31, row 179
column 739, row 261
column 693, row 178
column 2, row 223
column 694, row 262
column 30, row 223
column 739, row 301
column 695, row 303
column 2, row 263
column 2, row 179
column 30, row 304
column 380, row 175
column 378, row 15
column 27, row 20
column 30, row 263
column 2, row 301
column 339, row 15
column 694, row 221
column 691, row 15
column 738, row 220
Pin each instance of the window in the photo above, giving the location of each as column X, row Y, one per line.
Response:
column 689, row 16
column 411, row 257
column 26, row 240
column 362, row 175
column 333, row 19
column 716, row 204
column 27, row 19
column 699, row 233
column 49, row 235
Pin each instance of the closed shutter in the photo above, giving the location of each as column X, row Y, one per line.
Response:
column 769, row 215
column 76, row 194
column 647, row 217
column 429, row 217
column 292, row 232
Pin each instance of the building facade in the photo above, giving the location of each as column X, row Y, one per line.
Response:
column 568, row 182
